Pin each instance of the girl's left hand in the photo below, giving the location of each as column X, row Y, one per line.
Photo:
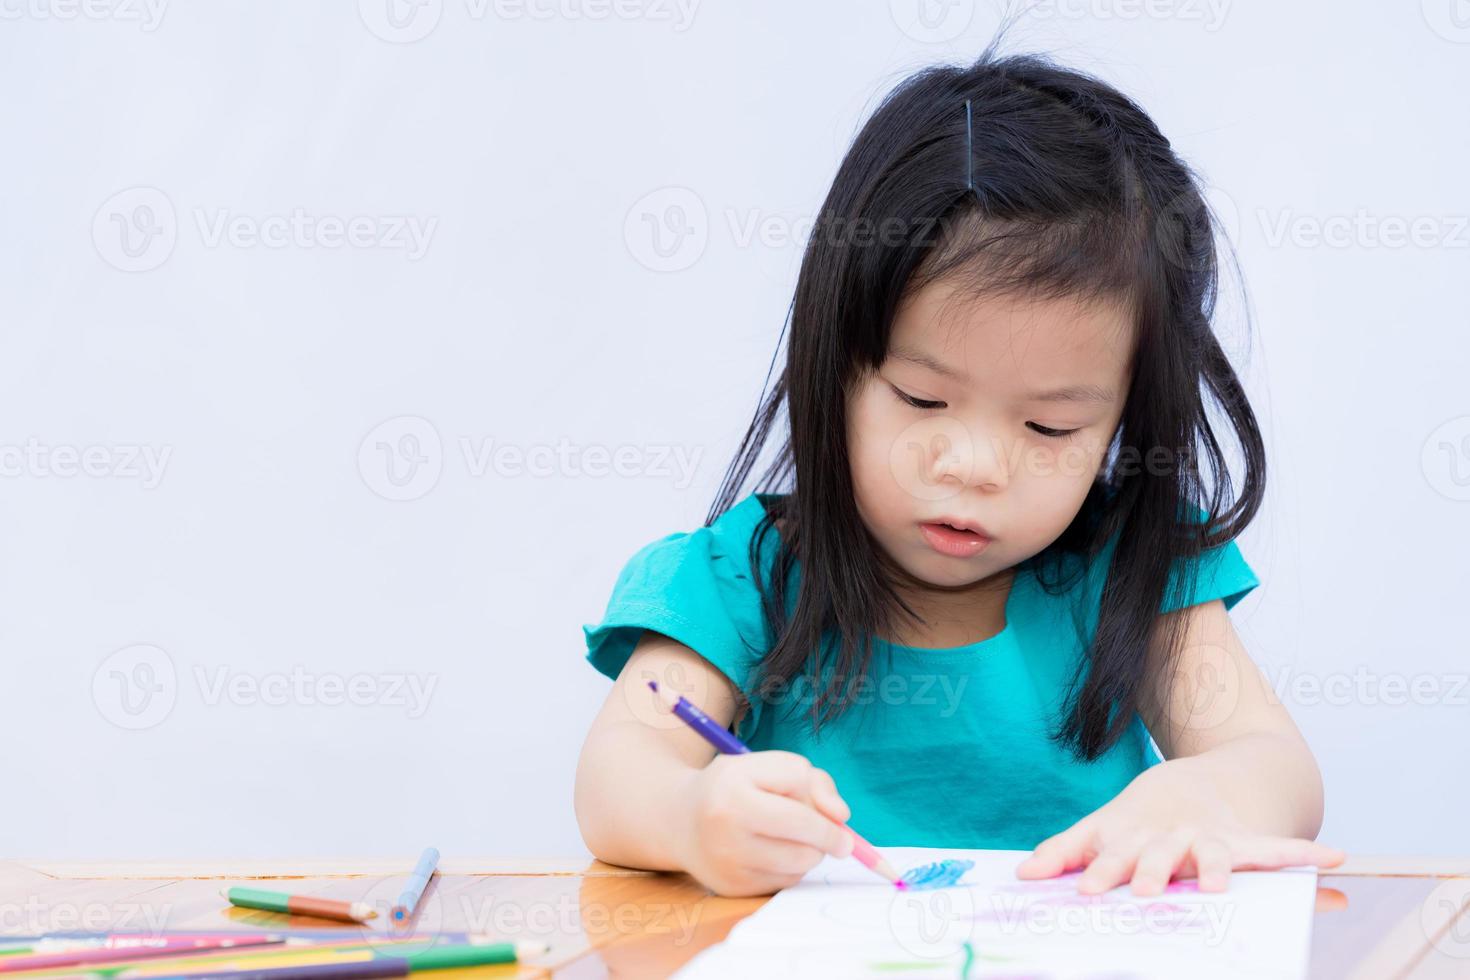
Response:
column 1164, row 825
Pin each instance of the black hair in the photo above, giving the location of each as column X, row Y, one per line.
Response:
column 1069, row 190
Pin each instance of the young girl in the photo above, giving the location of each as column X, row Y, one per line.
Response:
column 988, row 608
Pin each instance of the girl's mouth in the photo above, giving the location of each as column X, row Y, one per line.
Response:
column 952, row 541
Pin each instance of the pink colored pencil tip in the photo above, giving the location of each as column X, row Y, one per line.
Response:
column 900, row 884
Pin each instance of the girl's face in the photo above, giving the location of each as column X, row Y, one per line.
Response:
column 994, row 412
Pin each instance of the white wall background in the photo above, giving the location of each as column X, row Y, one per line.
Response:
column 259, row 570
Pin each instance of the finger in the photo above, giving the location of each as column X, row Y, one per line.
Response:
column 1212, row 863
column 826, row 798
column 772, row 856
column 783, row 772
column 1268, row 853
column 779, row 817
column 1159, row 860
column 1058, row 853
column 1110, row 868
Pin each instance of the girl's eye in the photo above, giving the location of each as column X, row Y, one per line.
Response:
column 1049, row 432
column 915, row 402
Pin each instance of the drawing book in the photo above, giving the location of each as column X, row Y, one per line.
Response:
column 965, row 914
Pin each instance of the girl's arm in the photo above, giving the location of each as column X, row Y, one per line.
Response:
column 1239, row 789
column 650, row 793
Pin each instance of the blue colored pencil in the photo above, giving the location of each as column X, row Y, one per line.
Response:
column 413, row 888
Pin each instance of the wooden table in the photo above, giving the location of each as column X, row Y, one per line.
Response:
column 1376, row 917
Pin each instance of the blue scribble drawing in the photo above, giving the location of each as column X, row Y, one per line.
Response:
column 940, row 874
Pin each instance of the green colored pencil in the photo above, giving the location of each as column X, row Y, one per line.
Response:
column 322, row 908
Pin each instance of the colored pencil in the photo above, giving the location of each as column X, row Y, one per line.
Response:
column 368, row 963
column 309, row 932
column 725, row 742
column 60, row 942
column 322, row 908
column 414, row 887
column 218, row 961
column 106, row 954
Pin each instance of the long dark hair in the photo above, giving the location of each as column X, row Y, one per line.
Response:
column 1069, row 190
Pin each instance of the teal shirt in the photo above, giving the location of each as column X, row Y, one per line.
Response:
column 943, row 747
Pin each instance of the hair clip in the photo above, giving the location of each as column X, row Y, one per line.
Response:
column 969, row 149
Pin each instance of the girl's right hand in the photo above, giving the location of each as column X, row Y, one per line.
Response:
column 758, row 821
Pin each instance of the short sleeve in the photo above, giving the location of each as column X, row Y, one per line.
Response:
column 695, row 588
column 1220, row 572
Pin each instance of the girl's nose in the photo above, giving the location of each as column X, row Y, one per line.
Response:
column 973, row 460
column 940, row 456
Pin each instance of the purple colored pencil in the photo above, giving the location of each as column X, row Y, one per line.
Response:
column 384, row 967
column 720, row 737
column 714, row 733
